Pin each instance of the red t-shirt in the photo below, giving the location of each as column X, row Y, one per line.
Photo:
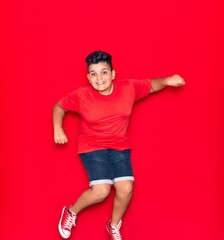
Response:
column 105, row 118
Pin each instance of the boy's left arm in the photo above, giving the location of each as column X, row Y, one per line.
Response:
column 160, row 83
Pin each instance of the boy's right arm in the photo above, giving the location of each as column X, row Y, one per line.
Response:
column 58, row 116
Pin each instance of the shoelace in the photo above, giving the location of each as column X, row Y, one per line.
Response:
column 116, row 232
column 70, row 221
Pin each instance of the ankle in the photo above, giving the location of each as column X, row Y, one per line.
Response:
column 112, row 225
column 71, row 211
column 115, row 224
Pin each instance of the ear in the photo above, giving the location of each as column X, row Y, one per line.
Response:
column 88, row 77
column 113, row 74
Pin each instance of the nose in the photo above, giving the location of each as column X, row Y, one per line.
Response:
column 99, row 76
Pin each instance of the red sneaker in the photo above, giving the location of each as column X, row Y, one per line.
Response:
column 67, row 221
column 114, row 232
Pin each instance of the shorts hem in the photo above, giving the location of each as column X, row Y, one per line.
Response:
column 101, row 181
column 111, row 182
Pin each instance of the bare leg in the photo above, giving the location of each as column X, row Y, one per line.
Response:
column 121, row 201
column 95, row 194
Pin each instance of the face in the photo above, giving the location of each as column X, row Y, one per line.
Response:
column 100, row 77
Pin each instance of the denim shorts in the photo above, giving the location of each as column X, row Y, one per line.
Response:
column 107, row 166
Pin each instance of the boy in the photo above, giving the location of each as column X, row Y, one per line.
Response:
column 105, row 107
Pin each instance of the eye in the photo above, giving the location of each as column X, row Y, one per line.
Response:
column 104, row 72
column 92, row 74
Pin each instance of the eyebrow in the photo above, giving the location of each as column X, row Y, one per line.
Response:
column 100, row 69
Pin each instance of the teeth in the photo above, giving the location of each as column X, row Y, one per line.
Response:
column 100, row 83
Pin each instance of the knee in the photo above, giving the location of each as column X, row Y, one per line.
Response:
column 125, row 190
column 101, row 192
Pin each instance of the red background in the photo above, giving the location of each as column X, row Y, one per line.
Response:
column 176, row 133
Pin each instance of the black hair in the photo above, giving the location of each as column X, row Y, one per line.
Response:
column 99, row 56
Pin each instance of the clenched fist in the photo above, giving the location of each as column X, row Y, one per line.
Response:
column 59, row 136
column 175, row 81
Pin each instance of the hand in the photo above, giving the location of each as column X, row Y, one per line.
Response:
column 175, row 81
column 59, row 136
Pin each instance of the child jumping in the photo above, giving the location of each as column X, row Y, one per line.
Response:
column 105, row 107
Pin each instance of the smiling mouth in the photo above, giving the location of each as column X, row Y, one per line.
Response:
column 100, row 83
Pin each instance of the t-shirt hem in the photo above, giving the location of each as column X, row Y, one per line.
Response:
column 103, row 148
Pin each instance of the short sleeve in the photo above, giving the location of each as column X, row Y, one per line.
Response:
column 141, row 87
column 70, row 102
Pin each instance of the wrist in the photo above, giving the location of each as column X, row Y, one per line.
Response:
column 166, row 81
column 58, row 127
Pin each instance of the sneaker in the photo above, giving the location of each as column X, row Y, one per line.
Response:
column 114, row 232
column 67, row 221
